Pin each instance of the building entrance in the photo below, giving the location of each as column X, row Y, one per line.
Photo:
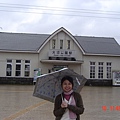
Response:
column 58, row 67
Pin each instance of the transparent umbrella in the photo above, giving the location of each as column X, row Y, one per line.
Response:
column 48, row 86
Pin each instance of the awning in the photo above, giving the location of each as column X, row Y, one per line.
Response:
column 62, row 61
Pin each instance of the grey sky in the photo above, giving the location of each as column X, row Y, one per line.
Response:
column 99, row 18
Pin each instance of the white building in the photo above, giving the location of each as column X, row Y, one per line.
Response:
column 93, row 57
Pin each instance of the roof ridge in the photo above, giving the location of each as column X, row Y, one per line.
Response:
column 94, row 37
column 24, row 33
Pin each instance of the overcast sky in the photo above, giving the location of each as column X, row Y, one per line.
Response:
column 99, row 18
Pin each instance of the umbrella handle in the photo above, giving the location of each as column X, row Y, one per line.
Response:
column 62, row 97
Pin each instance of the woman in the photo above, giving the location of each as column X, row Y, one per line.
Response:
column 68, row 105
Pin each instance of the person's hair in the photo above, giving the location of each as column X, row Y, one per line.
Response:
column 70, row 79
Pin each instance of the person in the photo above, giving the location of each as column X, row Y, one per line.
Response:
column 68, row 105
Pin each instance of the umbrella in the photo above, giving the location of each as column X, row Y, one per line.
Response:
column 48, row 86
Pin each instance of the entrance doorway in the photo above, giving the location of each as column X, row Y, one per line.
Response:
column 58, row 67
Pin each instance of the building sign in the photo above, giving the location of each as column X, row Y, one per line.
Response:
column 116, row 78
column 62, row 53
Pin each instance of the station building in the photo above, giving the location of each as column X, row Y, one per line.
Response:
column 22, row 53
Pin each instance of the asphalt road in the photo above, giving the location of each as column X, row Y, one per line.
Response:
column 17, row 103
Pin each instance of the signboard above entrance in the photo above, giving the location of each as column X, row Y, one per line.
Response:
column 61, row 53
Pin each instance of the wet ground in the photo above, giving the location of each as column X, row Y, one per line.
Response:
column 17, row 103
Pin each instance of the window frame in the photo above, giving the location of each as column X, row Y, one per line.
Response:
column 9, row 71
column 108, row 70
column 92, row 70
column 68, row 44
column 100, row 70
column 61, row 44
column 27, row 71
column 18, row 72
column 53, row 43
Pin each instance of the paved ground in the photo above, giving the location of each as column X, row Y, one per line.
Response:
column 17, row 103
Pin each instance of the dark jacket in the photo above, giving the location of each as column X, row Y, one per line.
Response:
column 78, row 109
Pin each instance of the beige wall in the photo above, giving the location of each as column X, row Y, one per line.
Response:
column 44, row 52
column 35, row 59
column 86, row 66
column 83, row 68
column 18, row 56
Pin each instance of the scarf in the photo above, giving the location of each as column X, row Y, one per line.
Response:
column 69, row 94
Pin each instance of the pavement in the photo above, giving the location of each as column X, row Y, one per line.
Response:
column 18, row 103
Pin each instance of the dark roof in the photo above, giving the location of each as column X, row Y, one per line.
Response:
column 32, row 42
column 99, row 45
column 21, row 41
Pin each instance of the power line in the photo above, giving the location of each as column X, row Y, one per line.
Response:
column 108, row 14
column 61, row 14
column 58, row 8
column 118, row 13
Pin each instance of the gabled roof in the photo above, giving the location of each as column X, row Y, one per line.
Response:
column 99, row 45
column 22, row 42
column 65, row 31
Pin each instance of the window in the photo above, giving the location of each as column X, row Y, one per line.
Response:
column 9, row 68
column 18, row 61
column 61, row 44
column 53, row 44
column 68, row 44
column 109, row 70
column 18, row 68
column 100, row 69
column 27, row 68
column 27, row 61
column 92, row 69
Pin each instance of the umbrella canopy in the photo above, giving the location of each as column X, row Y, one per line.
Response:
column 48, row 86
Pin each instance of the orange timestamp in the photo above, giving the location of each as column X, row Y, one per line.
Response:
column 111, row 108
